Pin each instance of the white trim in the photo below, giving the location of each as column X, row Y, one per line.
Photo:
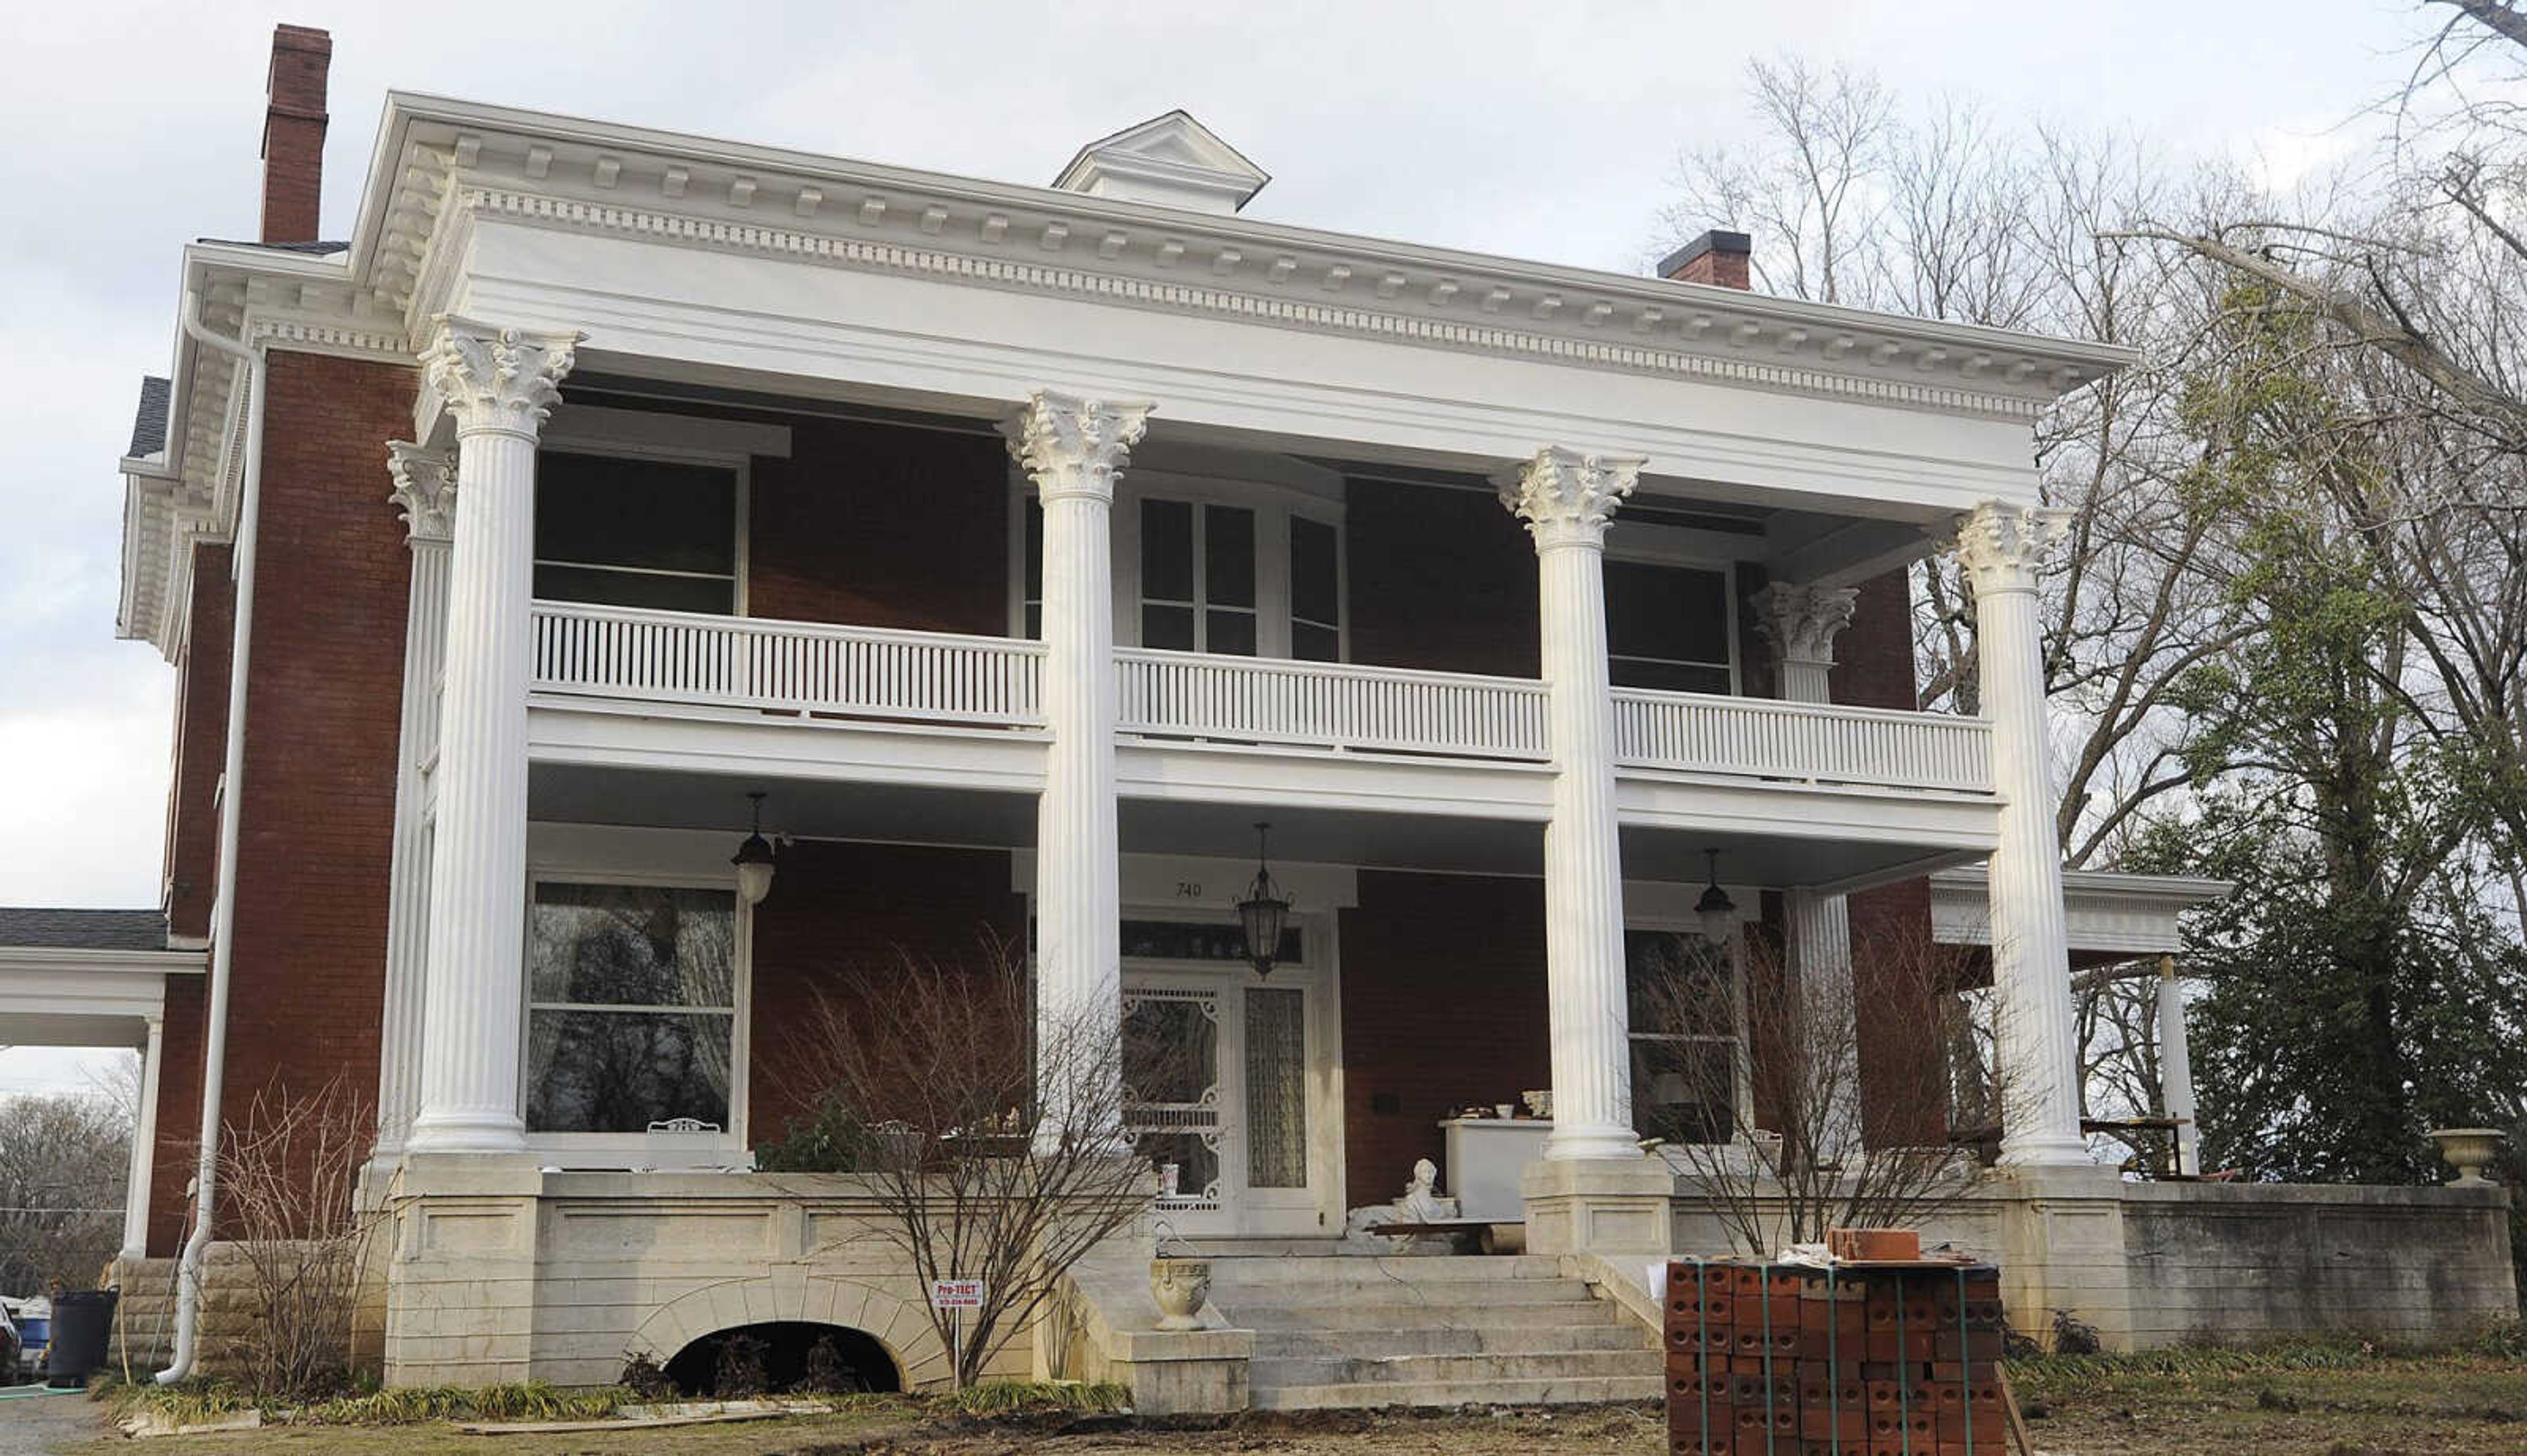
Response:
column 599, row 429
column 2108, row 913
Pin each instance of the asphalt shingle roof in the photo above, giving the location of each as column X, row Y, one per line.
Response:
column 149, row 421
column 82, row 930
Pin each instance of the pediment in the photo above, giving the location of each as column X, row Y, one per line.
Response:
column 1171, row 160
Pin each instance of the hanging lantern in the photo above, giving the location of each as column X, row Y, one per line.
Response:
column 1265, row 910
column 1719, row 913
column 753, row 859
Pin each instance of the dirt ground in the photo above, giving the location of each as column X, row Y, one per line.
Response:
column 2471, row 1408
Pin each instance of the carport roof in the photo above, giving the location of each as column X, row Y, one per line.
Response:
column 82, row 930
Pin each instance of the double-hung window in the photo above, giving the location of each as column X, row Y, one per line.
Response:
column 1669, row 627
column 1687, row 1049
column 1198, row 577
column 632, row 1007
column 637, row 532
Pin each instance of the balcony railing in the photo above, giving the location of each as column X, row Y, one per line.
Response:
column 1764, row 738
column 1328, row 705
column 797, row 668
column 793, row 667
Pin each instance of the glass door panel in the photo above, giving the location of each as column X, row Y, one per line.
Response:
column 1171, row 1091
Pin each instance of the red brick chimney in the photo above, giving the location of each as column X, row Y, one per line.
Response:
column 293, row 132
column 1724, row 260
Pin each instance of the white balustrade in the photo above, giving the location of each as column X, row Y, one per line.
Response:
column 1328, row 705
column 856, row 672
column 1765, row 738
column 794, row 667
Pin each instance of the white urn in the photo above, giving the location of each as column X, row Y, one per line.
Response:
column 2469, row 1150
column 1180, row 1286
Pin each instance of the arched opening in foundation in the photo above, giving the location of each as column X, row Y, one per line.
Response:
column 783, row 1357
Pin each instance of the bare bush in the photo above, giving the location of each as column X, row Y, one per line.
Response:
column 994, row 1139
column 1790, row 1149
column 287, row 1178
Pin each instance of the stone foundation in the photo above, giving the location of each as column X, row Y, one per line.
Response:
column 509, row 1273
column 2147, row 1265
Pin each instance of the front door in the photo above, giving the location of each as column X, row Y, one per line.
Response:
column 1220, row 1075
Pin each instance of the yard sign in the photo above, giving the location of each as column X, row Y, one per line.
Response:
column 955, row 1297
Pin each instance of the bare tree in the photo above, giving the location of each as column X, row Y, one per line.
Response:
column 941, row 1089
column 297, row 1235
column 63, row 1158
column 1783, row 1153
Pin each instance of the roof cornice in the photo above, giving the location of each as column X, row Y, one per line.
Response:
column 435, row 156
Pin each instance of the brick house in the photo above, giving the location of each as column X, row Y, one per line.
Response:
column 1024, row 547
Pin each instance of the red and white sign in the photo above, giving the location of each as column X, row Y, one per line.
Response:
column 956, row 1294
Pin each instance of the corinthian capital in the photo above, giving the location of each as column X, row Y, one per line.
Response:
column 502, row 381
column 1564, row 496
column 1073, row 446
column 2002, row 545
column 1800, row 622
column 425, row 488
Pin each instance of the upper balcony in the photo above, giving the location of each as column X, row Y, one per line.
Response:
column 643, row 688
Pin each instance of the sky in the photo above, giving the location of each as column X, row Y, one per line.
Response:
column 1539, row 132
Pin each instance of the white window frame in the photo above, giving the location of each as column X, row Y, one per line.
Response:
column 1686, row 550
column 1274, row 505
column 672, row 440
column 574, row 854
column 1743, row 1061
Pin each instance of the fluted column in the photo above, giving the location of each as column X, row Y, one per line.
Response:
column 145, row 1146
column 2000, row 547
column 1072, row 449
column 500, row 385
column 1800, row 624
column 1566, row 498
column 425, row 495
column 2176, row 1070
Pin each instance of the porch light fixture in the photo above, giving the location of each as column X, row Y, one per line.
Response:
column 753, row 859
column 1265, row 910
column 1719, row 913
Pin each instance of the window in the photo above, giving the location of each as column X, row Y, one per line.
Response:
column 1669, row 627
column 1031, row 568
column 1315, row 592
column 1685, row 1033
column 636, row 532
column 1198, row 577
column 631, row 1006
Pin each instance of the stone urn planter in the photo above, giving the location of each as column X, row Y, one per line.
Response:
column 1180, row 1286
column 2469, row 1150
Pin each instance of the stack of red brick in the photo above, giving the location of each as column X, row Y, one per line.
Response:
column 1880, row 1359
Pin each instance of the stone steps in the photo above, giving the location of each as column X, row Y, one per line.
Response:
column 1583, row 1391
column 1332, row 1333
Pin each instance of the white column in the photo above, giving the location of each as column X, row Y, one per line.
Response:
column 500, row 385
column 2176, row 1070
column 425, row 493
column 1072, row 449
column 1565, row 498
column 1800, row 623
column 2000, row 547
column 144, row 1147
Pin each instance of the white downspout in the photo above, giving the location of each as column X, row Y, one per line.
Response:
column 215, row 1034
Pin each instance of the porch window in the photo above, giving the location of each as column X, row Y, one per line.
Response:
column 1669, row 627
column 632, row 532
column 1315, row 590
column 1685, row 1036
column 1198, row 577
column 631, row 1006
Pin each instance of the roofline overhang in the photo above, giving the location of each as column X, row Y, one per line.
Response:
column 2069, row 363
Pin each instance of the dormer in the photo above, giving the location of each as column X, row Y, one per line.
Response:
column 1172, row 161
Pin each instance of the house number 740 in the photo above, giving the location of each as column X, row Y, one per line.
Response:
column 1188, row 889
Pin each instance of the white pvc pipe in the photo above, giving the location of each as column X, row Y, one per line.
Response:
column 215, row 1032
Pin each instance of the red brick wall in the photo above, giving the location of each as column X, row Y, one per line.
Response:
column 179, row 1113
column 838, row 912
column 1443, row 1006
column 1440, row 579
column 882, row 526
column 324, row 692
column 201, row 747
column 1873, row 657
